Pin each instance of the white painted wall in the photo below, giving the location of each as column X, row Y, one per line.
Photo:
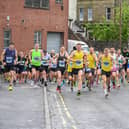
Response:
column 73, row 9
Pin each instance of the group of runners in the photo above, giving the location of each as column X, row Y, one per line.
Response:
column 84, row 69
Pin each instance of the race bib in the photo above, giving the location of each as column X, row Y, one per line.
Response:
column 78, row 62
column 22, row 62
column 44, row 63
column 29, row 65
column 106, row 63
column 61, row 63
column 88, row 69
column 37, row 58
column 53, row 65
column 9, row 60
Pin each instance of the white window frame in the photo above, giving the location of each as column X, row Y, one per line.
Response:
column 81, row 14
column 90, row 14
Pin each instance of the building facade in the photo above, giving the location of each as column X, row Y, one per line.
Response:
column 26, row 22
column 72, row 10
column 95, row 10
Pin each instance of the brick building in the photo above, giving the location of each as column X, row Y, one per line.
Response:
column 26, row 22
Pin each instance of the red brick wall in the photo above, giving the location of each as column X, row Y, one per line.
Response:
column 53, row 20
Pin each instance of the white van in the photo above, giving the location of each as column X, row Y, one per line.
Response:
column 73, row 43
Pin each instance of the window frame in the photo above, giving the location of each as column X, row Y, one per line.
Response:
column 59, row 1
column 10, row 37
column 37, row 36
column 108, row 13
column 81, row 19
column 90, row 14
column 34, row 7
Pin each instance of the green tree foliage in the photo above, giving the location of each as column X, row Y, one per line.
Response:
column 110, row 31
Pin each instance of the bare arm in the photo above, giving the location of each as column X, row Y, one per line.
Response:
column 30, row 54
column 2, row 55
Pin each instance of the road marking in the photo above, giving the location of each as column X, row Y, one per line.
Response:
column 59, row 108
column 67, row 112
column 47, row 114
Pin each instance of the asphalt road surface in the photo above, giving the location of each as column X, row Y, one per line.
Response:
column 34, row 107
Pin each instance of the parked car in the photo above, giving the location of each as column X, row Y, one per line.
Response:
column 73, row 43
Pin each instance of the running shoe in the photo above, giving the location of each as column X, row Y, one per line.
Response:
column 106, row 95
column 114, row 86
column 58, row 89
column 45, row 84
column 42, row 81
column 71, row 89
column 10, row 88
column 78, row 93
column 109, row 89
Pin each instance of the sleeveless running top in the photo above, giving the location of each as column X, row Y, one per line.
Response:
column 91, row 61
column 45, row 60
column 61, row 62
column 10, row 56
column 106, row 63
column 78, row 60
column 36, row 57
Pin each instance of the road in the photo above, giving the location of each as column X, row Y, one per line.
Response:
column 28, row 107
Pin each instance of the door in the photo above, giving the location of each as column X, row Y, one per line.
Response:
column 54, row 41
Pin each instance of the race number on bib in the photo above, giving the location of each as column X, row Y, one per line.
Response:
column 36, row 58
column 9, row 60
column 61, row 63
column 78, row 62
column 44, row 63
column 53, row 65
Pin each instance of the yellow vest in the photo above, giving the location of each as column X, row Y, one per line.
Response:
column 106, row 63
column 78, row 60
column 70, row 66
column 91, row 61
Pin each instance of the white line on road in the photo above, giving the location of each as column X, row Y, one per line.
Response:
column 47, row 114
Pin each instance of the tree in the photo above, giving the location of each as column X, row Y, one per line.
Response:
column 110, row 31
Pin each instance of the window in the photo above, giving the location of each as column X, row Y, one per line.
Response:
column 90, row 14
column 37, row 3
column 7, row 38
column 108, row 13
column 81, row 14
column 37, row 38
column 59, row 1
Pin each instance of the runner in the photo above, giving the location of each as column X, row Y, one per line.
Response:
column 22, row 64
column 53, row 67
column 115, row 70
column 92, row 61
column 61, row 67
column 44, row 67
column 9, row 58
column 29, row 69
column 106, row 63
column 98, row 72
column 35, row 56
column 69, row 70
column 77, row 59
column 121, row 61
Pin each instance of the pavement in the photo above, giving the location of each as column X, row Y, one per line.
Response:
column 21, row 108
column 28, row 107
